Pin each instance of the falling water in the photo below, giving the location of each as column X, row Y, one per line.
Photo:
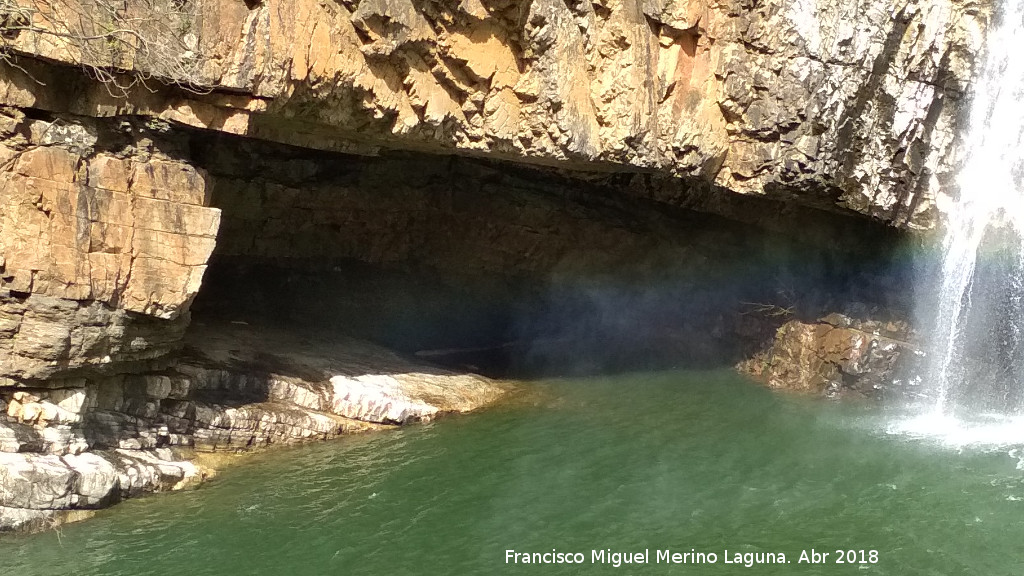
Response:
column 977, row 355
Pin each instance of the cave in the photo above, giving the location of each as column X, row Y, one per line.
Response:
column 515, row 270
column 545, row 282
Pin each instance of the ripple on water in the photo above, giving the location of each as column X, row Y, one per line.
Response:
column 678, row 460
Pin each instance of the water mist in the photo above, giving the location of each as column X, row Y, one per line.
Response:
column 975, row 359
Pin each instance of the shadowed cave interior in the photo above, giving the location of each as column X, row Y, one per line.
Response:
column 518, row 271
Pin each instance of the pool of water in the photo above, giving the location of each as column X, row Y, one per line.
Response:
column 681, row 461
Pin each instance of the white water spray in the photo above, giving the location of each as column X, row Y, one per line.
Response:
column 978, row 338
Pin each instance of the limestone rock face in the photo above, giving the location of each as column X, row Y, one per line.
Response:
column 376, row 398
column 82, row 444
column 39, row 491
column 827, row 103
column 102, row 236
column 106, row 226
column 92, row 225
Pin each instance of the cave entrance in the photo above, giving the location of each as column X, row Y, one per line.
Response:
column 496, row 268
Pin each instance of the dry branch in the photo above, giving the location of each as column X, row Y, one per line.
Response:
column 123, row 44
column 767, row 310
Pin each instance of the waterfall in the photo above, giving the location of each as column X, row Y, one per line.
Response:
column 976, row 359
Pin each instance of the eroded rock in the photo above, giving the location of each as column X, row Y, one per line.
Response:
column 821, row 102
column 85, row 443
column 834, row 356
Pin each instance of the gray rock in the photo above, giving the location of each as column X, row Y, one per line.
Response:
column 96, row 482
column 101, row 440
column 39, row 482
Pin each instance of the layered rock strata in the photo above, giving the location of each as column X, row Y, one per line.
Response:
column 769, row 113
column 107, row 226
column 77, row 445
column 825, row 103
column 104, row 238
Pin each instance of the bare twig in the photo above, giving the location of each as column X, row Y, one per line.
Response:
column 769, row 310
column 121, row 43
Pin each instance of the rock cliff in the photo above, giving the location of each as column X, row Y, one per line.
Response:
column 104, row 241
column 638, row 171
column 821, row 102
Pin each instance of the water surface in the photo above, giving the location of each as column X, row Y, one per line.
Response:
column 677, row 460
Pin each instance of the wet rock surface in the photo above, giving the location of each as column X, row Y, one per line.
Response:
column 84, row 444
column 834, row 356
column 39, row 491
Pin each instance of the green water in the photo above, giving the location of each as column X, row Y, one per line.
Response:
column 677, row 461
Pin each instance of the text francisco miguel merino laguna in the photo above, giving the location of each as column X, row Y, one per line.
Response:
column 747, row 559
